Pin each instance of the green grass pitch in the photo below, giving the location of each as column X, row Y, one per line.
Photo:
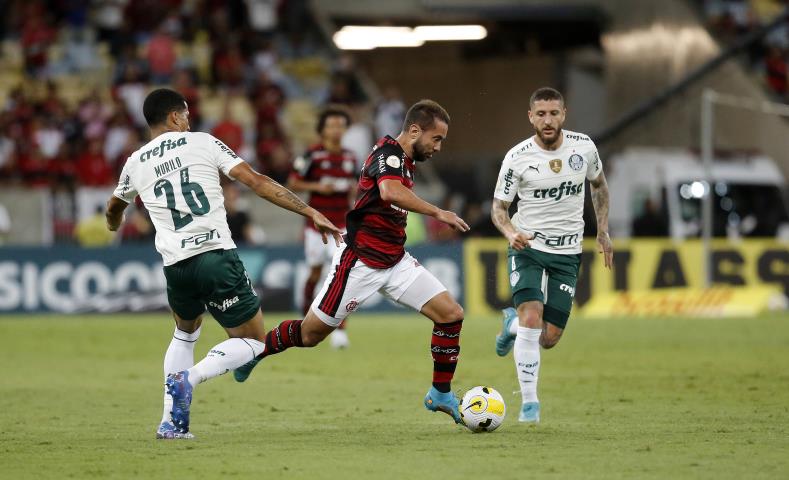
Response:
column 80, row 397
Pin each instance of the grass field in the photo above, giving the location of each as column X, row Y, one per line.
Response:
column 80, row 397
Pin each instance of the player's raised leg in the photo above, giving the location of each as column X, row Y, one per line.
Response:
column 245, row 343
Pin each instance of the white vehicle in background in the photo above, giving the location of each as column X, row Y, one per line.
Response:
column 750, row 194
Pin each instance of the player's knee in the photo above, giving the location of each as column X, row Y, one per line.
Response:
column 549, row 341
column 454, row 314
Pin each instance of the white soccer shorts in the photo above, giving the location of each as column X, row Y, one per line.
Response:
column 317, row 253
column 350, row 283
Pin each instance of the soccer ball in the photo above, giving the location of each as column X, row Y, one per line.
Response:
column 482, row 409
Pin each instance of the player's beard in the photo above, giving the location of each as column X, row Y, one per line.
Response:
column 419, row 153
column 547, row 141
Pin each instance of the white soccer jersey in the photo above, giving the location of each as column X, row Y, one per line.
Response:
column 550, row 185
column 177, row 178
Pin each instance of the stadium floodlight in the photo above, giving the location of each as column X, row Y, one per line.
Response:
column 357, row 37
column 451, row 32
column 352, row 37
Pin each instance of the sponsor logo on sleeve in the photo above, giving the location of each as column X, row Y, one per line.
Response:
column 508, row 181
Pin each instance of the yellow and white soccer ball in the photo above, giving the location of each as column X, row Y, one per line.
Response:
column 482, row 409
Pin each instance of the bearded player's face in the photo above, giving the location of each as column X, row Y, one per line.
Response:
column 547, row 117
column 429, row 141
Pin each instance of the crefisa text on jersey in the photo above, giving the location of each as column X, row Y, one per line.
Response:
column 163, row 147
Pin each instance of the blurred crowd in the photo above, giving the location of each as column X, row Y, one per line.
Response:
column 730, row 19
column 255, row 74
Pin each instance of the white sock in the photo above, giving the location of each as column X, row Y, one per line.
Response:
column 180, row 356
column 527, row 361
column 228, row 355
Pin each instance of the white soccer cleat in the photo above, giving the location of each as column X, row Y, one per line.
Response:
column 339, row 339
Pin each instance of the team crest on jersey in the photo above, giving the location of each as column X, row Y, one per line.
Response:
column 352, row 305
column 576, row 162
column 556, row 165
column 393, row 161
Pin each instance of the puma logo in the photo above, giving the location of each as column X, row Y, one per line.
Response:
column 536, row 168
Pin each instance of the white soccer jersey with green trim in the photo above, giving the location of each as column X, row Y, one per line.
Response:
column 550, row 187
column 177, row 178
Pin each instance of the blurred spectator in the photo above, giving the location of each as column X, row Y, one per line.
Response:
column 183, row 83
column 47, row 136
column 132, row 90
column 359, row 137
column 92, row 231
column 108, row 15
column 237, row 219
column 262, row 15
column 37, row 36
column 228, row 130
column 228, row 65
column 33, row 167
column 93, row 115
column 7, row 150
column 651, row 223
column 119, row 132
column 161, row 56
column 92, row 168
column 776, row 70
column 389, row 113
column 64, row 210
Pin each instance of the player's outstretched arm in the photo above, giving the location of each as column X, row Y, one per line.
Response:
column 394, row 192
column 599, row 194
column 114, row 213
column 267, row 188
column 499, row 214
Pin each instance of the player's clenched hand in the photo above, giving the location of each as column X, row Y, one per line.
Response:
column 605, row 247
column 519, row 240
column 326, row 228
column 451, row 219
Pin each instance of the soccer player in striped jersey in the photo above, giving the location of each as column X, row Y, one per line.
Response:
column 328, row 172
column 373, row 258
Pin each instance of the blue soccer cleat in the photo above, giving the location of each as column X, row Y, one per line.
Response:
column 505, row 340
column 242, row 373
column 530, row 413
column 436, row 401
column 180, row 389
column 167, row 431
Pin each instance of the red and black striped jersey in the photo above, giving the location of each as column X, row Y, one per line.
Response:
column 339, row 169
column 376, row 229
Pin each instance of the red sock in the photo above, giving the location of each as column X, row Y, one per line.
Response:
column 309, row 295
column 285, row 335
column 445, row 348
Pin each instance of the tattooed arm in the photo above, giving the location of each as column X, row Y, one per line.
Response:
column 280, row 196
column 599, row 194
column 499, row 214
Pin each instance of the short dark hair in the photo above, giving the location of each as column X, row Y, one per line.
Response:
column 332, row 111
column 545, row 94
column 159, row 103
column 424, row 113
